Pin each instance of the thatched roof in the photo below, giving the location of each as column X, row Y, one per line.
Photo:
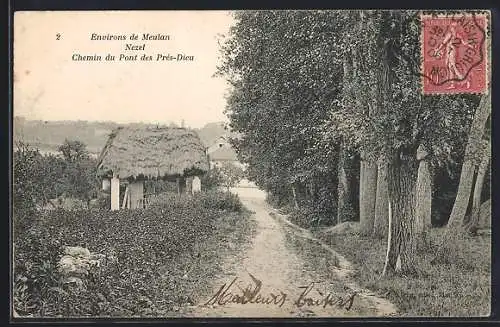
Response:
column 152, row 152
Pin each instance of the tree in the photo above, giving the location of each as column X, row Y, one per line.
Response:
column 79, row 176
column 27, row 186
column 424, row 195
column 389, row 124
column 458, row 212
column 212, row 179
column 311, row 88
column 381, row 219
column 53, row 182
column 231, row 174
column 279, row 64
column 478, row 187
column 73, row 151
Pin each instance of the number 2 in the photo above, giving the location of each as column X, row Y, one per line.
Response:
column 58, row 36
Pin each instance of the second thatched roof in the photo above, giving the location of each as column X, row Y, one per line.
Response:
column 152, row 152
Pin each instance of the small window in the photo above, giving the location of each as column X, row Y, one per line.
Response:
column 220, row 145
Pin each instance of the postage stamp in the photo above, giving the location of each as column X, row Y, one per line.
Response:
column 454, row 54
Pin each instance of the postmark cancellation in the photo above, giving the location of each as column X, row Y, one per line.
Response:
column 455, row 53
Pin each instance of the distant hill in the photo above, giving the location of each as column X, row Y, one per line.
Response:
column 48, row 135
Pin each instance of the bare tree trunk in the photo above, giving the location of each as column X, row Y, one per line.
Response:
column 402, row 246
column 423, row 197
column 472, row 226
column 295, row 202
column 344, row 203
column 367, row 195
column 312, row 189
column 389, row 238
column 467, row 175
column 381, row 220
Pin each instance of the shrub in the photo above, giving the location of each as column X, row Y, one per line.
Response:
column 212, row 179
column 211, row 200
column 309, row 216
column 220, row 200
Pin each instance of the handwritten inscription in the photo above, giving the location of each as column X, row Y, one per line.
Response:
column 253, row 293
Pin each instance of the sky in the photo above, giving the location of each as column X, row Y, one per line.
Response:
column 50, row 85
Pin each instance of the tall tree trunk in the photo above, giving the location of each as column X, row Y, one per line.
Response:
column 467, row 175
column 294, row 193
column 367, row 195
column 423, row 196
column 472, row 226
column 402, row 245
column 381, row 220
column 345, row 208
column 312, row 189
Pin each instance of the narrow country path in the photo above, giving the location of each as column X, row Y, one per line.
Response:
column 281, row 271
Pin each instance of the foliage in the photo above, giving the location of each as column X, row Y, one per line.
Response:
column 38, row 178
column 231, row 174
column 307, row 217
column 212, row 199
column 279, row 64
column 305, row 81
column 27, row 175
column 73, row 151
column 160, row 255
column 212, row 179
column 385, row 48
column 80, row 179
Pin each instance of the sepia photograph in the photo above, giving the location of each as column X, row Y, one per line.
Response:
column 251, row 164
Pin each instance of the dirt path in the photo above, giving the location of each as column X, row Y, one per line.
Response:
column 282, row 273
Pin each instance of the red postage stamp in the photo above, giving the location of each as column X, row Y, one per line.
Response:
column 454, row 54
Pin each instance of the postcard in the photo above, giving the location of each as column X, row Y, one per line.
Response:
column 251, row 164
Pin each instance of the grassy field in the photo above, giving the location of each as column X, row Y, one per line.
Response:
column 164, row 257
column 459, row 286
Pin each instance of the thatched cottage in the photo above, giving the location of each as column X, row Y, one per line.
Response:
column 133, row 155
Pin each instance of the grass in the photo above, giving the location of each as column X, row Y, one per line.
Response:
column 323, row 263
column 458, row 287
column 232, row 234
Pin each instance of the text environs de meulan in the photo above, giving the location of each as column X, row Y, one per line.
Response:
column 132, row 47
column 132, row 37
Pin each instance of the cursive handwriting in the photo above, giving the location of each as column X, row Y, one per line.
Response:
column 305, row 299
column 248, row 295
column 233, row 293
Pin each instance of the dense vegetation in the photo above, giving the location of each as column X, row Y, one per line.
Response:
column 157, row 260
column 334, row 125
column 39, row 178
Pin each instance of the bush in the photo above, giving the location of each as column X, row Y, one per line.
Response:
column 155, row 249
column 220, row 200
column 309, row 216
column 212, row 179
column 211, row 200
